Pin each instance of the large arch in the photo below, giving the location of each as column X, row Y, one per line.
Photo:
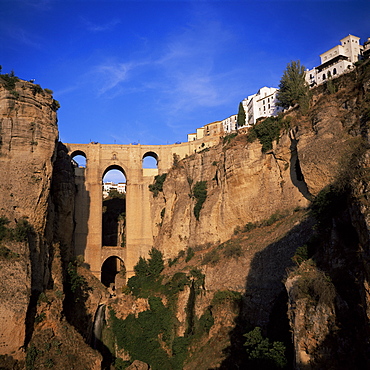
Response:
column 114, row 211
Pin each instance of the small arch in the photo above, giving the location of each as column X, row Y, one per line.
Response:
column 113, row 272
column 78, row 158
column 150, row 160
column 334, row 71
column 323, row 76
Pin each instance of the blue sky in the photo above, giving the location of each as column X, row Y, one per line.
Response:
column 153, row 71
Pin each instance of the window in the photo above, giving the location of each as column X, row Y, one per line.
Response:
column 323, row 76
column 334, row 71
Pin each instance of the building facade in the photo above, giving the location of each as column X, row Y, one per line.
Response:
column 261, row 104
column 230, row 124
column 336, row 61
column 108, row 186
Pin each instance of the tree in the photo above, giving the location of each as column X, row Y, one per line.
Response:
column 293, row 88
column 262, row 353
column 155, row 262
column 241, row 115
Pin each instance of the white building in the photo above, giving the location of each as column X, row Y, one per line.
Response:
column 336, row 61
column 262, row 104
column 108, row 186
column 230, row 124
column 121, row 187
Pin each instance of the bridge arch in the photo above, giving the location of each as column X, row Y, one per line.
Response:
column 113, row 272
column 79, row 162
column 114, row 209
column 114, row 167
column 150, row 160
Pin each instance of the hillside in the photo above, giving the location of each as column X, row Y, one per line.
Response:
column 264, row 246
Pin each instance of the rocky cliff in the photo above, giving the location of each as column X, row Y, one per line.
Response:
column 265, row 250
column 320, row 160
column 36, row 199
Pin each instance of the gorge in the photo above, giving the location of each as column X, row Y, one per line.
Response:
column 249, row 258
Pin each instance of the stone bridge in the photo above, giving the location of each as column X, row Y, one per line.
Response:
column 101, row 158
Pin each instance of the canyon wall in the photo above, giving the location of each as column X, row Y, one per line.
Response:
column 286, row 229
column 37, row 204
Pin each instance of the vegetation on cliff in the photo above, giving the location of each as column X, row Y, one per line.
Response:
column 293, row 88
column 158, row 184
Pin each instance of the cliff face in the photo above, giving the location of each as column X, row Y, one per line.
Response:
column 243, row 185
column 28, row 136
column 253, row 234
column 322, row 157
column 37, row 201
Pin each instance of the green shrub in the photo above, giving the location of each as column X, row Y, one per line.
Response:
column 147, row 273
column 37, row 89
column 189, row 254
column 120, row 364
column 205, row 322
column 40, row 318
column 232, row 249
column 158, row 184
column 155, row 262
column 316, row 286
column 55, row 105
column 249, row 226
column 327, row 203
column 211, row 258
column 200, row 194
column 266, row 132
column 4, row 232
column 199, row 277
column 263, row 353
column 22, row 230
column 179, row 352
column 31, row 355
column 229, row 137
column 15, row 93
column 77, row 282
column 141, row 269
column 178, row 282
column 301, row 254
column 222, row 296
column 139, row 336
column 9, row 81
column 272, row 219
column 7, row 253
